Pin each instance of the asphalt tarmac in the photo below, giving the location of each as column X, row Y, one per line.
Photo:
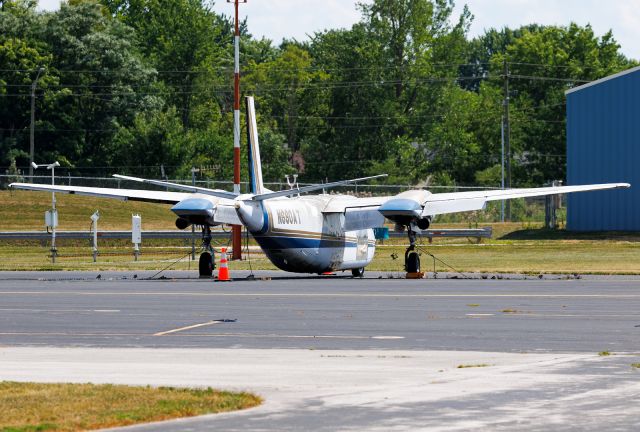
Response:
column 329, row 312
column 336, row 353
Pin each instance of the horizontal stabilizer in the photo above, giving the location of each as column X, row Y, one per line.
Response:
column 304, row 189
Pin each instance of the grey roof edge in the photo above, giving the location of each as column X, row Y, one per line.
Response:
column 601, row 80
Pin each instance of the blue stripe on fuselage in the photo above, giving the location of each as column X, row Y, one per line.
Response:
column 270, row 242
column 265, row 225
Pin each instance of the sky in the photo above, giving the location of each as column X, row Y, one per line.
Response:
column 278, row 19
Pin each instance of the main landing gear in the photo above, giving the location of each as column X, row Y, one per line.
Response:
column 357, row 272
column 207, row 258
column 411, row 257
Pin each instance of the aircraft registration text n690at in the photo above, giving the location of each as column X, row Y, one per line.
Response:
column 302, row 232
column 289, row 216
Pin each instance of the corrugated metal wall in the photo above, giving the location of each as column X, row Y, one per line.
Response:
column 603, row 146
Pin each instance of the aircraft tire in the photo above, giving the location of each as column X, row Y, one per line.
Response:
column 205, row 265
column 413, row 262
column 358, row 272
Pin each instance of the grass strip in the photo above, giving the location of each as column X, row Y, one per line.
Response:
column 515, row 247
column 584, row 257
column 71, row 407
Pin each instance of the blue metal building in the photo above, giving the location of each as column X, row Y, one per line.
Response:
column 603, row 146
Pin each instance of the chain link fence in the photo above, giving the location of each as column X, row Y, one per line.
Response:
column 522, row 210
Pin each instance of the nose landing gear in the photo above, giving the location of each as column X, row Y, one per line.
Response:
column 207, row 263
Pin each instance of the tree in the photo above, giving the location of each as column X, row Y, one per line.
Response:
column 21, row 55
column 543, row 64
column 388, row 74
column 291, row 91
column 103, row 84
column 183, row 39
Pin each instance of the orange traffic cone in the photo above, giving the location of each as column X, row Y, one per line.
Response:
column 223, row 273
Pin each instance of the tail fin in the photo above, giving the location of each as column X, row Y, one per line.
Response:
column 255, row 166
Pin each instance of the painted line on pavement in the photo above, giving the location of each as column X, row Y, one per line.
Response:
column 211, row 335
column 343, row 295
column 176, row 330
column 70, row 334
column 280, row 336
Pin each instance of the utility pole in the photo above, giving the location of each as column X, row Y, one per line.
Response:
column 507, row 134
column 502, row 169
column 236, row 233
column 51, row 217
column 33, row 118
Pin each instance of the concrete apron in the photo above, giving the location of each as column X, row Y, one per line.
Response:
column 361, row 390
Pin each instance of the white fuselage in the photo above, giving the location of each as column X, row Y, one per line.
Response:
column 297, row 234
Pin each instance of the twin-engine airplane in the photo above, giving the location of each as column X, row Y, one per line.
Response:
column 308, row 233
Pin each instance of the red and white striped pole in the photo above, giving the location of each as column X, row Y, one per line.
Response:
column 236, row 229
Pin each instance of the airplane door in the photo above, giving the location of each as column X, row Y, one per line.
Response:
column 362, row 249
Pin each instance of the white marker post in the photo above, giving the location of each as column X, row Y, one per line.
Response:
column 94, row 227
column 51, row 222
column 136, row 234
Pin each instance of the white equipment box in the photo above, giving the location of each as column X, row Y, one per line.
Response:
column 136, row 229
column 51, row 218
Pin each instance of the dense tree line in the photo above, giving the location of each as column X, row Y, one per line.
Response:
column 131, row 85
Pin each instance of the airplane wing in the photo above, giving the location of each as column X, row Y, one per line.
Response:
column 455, row 202
column 121, row 194
column 359, row 213
column 362, row 213
column 223, row 210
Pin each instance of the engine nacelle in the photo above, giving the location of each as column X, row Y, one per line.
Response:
column 182, row 223
column 406, row 207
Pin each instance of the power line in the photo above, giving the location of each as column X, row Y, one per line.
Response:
column 552, row 66
column 308, row 68
column 304, row 127
column 246, row 69
column 259, row 89
column 325, row 83
column 543, row 78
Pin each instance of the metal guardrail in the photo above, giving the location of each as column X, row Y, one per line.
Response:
column 43, row 235
column 479, row 233
column 174, row 234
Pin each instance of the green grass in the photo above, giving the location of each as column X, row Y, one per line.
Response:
column 530, row 257
column 70, row 407
column 466, row 366
column 604, row 353
column 24, row 211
